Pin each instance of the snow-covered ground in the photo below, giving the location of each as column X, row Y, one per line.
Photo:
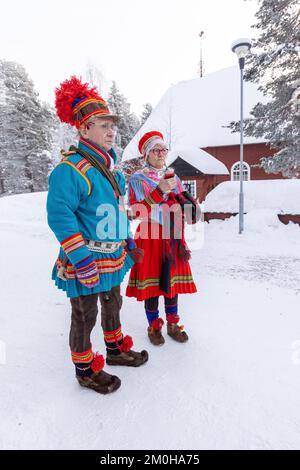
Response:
column 235, row 384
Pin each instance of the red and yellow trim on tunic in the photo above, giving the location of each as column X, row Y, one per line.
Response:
column 83, row 165
column 72, row 243
column 104, row 266
column 81, row 172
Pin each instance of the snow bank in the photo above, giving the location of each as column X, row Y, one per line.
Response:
column 282, row 196
column 25, row 214
column 29, row 207
column 263, row 235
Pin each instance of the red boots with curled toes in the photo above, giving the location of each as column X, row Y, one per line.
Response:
column 125, row 355
column 93, row 376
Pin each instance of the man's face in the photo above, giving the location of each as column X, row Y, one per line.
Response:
column 102, row 131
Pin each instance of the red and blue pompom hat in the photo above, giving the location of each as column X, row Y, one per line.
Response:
column 76, row 102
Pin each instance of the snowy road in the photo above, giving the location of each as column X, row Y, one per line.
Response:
column 235, row 384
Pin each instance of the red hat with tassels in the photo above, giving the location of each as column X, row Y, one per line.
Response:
column 76, row 102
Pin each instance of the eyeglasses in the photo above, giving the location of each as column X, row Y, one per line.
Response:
column 158, row 151
column 105, row 126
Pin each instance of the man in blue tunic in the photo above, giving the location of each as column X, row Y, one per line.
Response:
column 84, row 199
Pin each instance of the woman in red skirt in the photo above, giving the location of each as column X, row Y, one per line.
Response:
column 156, row 196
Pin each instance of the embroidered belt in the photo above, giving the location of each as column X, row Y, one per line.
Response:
column 102, row 247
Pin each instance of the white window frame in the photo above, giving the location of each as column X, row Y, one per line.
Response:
column 193, row 183
column 236, row 169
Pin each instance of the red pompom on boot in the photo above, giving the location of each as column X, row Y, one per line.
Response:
column 98, row 363
column 154, row 332
column 127, row 344
column 127, row 356
column 174, row 330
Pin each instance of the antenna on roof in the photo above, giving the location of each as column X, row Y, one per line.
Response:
column 201, row 63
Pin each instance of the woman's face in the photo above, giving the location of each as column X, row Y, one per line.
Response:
column 157, row 156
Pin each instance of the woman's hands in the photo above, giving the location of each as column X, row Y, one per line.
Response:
column 135, row 253
column 166, row 185
column 193, row 212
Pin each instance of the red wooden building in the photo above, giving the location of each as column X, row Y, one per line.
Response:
column 200, row 183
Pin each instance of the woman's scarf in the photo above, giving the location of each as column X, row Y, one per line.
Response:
column 143, row 183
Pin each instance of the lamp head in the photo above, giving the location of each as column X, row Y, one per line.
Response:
column 241, row 47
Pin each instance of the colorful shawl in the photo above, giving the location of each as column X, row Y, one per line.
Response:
column 141, row 184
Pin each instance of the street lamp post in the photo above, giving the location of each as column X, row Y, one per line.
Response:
column 241, row 48
column 201, row 68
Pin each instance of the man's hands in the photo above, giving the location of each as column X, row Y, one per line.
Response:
column 87, row 272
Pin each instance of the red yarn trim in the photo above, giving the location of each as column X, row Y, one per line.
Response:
column 127, row 344
column 171, row 318
column 98, row 363
column 157, row 324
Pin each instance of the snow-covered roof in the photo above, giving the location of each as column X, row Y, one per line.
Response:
column 194, row 112
column 199, row 159
column 282, row 196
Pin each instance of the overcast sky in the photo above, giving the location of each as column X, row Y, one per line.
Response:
column 146, row 46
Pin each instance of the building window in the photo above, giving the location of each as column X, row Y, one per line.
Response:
column 190, row 186
column 235, row 172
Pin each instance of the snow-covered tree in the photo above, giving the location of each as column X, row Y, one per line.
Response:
column 275, row 65
column 94, row 76
column 26, row 127
column 146, row 112
column 129, row 167
column 3, row 157
column 128, row 122
column 63, row 136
